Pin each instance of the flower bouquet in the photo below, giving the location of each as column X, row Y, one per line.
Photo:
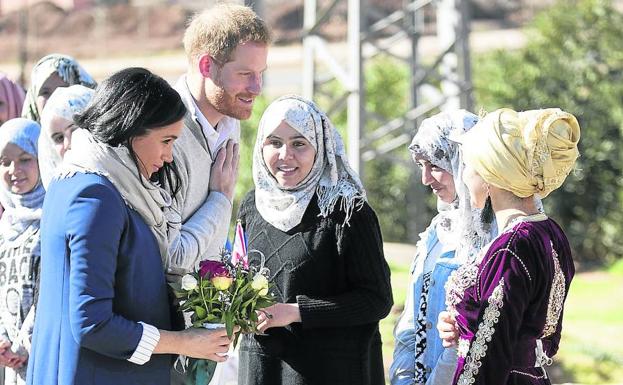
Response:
column 227, row 291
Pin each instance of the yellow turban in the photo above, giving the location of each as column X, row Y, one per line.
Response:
column 526, row 153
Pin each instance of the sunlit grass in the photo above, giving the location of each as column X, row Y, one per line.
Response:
column 591, row 349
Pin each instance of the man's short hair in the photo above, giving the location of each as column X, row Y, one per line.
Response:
column 218, row 30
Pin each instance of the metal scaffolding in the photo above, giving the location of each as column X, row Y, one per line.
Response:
column 441, row 82
column 445, row 83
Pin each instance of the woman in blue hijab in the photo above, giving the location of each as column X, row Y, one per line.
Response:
column 22, row 196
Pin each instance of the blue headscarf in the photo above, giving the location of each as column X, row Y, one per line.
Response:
column 22, row 211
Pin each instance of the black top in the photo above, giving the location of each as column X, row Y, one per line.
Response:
column 338, row 275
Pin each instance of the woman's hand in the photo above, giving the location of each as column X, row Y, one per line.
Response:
column 196, row 343
column 448, row 332
column 279, row 314
column 224, row 172
column 10, row 359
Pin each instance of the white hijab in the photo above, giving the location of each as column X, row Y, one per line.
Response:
column 331, row 177
column 65, row 102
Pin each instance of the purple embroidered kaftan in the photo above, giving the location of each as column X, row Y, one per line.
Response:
column 513, row 306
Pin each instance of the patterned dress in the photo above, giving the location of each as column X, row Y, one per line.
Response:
column 509, row 307
column 19, row 260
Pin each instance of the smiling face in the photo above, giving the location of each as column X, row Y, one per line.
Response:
column 156, row 147
column 60, row 132
column 438, row 179
column 477, row 187
column 288, row 155
column 235, row 85
column 47, row 88
column 19, row 169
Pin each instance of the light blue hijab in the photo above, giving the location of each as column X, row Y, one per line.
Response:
column 22, row 211
column 65, row 102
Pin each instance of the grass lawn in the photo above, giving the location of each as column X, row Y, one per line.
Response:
column 591, row 349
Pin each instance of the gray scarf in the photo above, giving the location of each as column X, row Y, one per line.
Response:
column 150, row 201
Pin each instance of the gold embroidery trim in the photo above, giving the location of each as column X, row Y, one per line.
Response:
column 556, row 297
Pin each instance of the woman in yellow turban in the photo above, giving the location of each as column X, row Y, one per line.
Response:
column 506, row 308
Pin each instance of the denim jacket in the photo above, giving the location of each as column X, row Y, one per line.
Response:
column 440, row 262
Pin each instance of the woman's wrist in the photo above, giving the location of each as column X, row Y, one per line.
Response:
column 294, row 312
column 170, row 343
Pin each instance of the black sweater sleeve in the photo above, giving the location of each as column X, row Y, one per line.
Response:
column 369, row 298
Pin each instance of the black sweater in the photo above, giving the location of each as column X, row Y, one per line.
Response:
column 339, row 277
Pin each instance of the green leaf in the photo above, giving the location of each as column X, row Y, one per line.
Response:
column 176, row 286
column 200, row 312
column 263, row 302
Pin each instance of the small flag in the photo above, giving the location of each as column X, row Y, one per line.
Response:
column 239, row 252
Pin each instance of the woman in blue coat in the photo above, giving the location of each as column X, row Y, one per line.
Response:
column 103, row 313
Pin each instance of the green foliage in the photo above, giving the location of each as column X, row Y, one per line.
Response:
column 616, row 268
column 248, row 133
column 573, row 60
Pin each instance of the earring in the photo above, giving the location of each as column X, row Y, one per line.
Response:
column 487, row 214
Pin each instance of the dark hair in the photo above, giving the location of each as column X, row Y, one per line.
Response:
column 128, row 104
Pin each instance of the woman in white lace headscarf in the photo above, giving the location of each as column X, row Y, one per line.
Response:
column 51, row 72
column 322, row 244
column 453, row 236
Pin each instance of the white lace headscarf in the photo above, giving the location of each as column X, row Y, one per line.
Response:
column 331, row 177
column 459, row 225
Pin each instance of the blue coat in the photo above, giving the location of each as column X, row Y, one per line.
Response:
column 101, row 273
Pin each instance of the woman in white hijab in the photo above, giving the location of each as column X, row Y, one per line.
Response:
column 57, row 125
column 52, row 71
column 321, row 241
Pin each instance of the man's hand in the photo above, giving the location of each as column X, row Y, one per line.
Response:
column 224, row 171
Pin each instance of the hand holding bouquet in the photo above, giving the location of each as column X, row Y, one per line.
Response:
column 227, row 293
column 224, row 291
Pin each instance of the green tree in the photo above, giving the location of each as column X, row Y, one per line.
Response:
column 573, row 60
